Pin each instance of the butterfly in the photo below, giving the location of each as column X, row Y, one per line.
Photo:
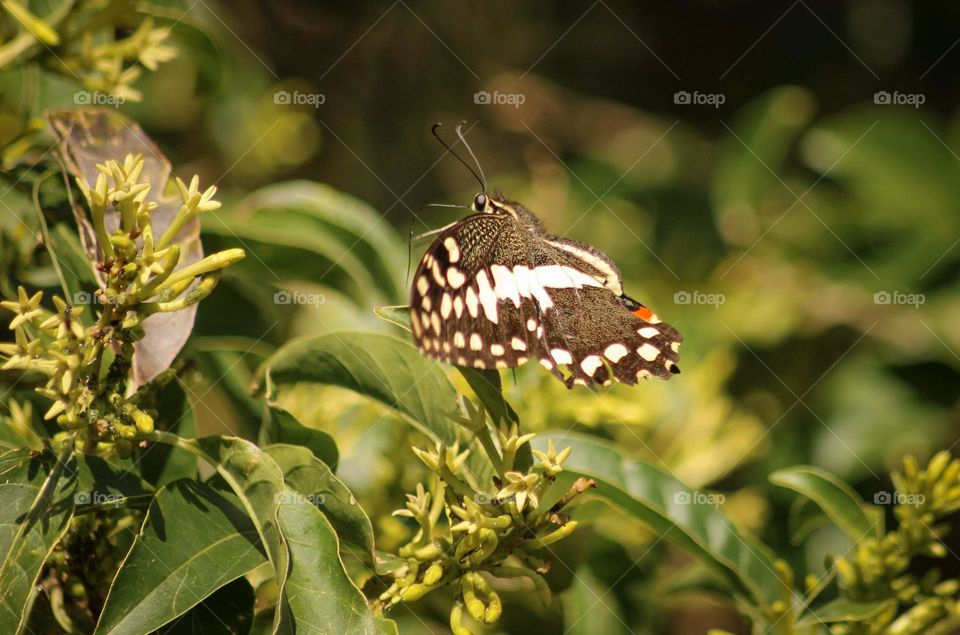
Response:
column 496, row 290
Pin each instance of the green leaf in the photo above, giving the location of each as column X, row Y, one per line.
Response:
column 837, row 499
column 844, row 611
column 804, row 517
column 36, row 505
column 228, row 611
column 671, row 509
column 318, row 591
column 357, row 227
column 381, row 367
column 589, row 608
column 258, row 482
column 279, row 426
column 194, row 540
column 308, row 476
column 396, row 315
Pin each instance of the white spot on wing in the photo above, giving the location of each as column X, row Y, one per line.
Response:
column 590, row 364
column 451, row 244
column 476, row 343
column 615, row 352
column 497, row 349
column 505, row 286
column 422, row 285
column 472, row 302
column 455, row 277
column 458, row 306
column 561, row 356
column 445, row 306
column 488, row 299
column 648, row 351
column 531, row 324
column 518, row 344
column 648, row 332
column 458, row 340
column 436, row 273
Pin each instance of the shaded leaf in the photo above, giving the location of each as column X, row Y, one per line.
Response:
column 279, row 426
column 317, row 590
column 228, row 611
column 381, row 367
column 194, row 540
column 589, row 608
column 36, row 505
column 161, row 463
column 837, row 499
column 356, row 226
column 672, row 510
column 308, row 476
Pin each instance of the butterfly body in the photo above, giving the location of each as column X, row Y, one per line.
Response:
column 495, row 290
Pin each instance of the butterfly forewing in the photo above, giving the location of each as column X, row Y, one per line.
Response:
column 493, row 292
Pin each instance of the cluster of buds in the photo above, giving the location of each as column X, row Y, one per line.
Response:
column 140, row 277
column 878, row 569
column 468, row 538
column 110, row 66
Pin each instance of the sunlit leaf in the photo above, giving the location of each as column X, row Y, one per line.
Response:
column 837, row 499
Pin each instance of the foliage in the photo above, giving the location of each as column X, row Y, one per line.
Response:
column 235, row 465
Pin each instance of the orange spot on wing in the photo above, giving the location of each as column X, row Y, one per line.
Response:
column 643, row 313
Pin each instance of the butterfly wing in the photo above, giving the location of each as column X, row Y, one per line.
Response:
column 488, row 293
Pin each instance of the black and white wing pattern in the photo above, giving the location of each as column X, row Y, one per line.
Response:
column 492, row 292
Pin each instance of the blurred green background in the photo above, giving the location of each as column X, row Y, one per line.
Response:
column 779, row 181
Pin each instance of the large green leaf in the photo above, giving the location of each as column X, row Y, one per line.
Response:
column 228, row 611
column 358, row 228
column 673, row 511
column 589, row 608
column 310, row 477
column 317, row 589
column 279, row 426
column 381, row 367
column 837, row 499
column 36, row 505
column 258, row 482
column 193, row 541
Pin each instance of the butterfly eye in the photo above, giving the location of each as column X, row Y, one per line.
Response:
column 479, row 202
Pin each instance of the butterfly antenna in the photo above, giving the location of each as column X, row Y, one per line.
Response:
column 482, row 177
column 479, row 178
column 406, row 282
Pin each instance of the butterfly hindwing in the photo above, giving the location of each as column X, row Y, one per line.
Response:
column 493, row 292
